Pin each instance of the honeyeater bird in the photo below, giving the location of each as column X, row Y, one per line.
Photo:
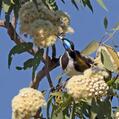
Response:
column 72, row 61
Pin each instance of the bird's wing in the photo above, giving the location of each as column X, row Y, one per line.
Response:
column 82, row 62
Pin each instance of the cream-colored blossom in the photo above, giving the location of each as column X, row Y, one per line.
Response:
column 43, row 24
column 27, row 14
column 116, row 115
column 27, row 103
column 82, row 87
column 43, row 32
column 45, row 43
column 96, row 71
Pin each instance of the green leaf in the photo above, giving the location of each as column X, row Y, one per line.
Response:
column 0, row 7
column 89, row 4
column 116, row 84
column 84, row 3
column 51, row 4
column 49, row 102
column 18, row 49
column 72, row 115
column 105, row 59
column 66, row 117
column 5, row 6
column 19, row 68
column 63, row 1
column 105, row 22
column 102, row 109
column 37, row 58
column 111, row 82
column 110, row 58
column 116, row 28
column 13, row 1
column 92, row 47
column 16, row 9
column 101, row 3
column 28, row 64
column 75, row 4
column 58, row 115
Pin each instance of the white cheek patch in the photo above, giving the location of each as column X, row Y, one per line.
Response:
column 70, row 70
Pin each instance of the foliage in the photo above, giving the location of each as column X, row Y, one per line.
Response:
column 60, row 104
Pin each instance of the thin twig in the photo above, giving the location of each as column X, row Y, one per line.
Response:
column 42, row 73
column 14, row 22
column 47, row 70
column 53, row 51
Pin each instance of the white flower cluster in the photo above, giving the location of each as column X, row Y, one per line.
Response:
column 97, row 71
column 43, row 24
column 27, row 103
column 116, row 115
column 87, row 86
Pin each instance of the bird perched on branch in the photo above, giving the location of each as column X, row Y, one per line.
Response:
column 72, row 61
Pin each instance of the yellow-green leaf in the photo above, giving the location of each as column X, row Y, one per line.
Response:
column 116, row 28
column 109, row 58
column 92, row 47
column 102, row 4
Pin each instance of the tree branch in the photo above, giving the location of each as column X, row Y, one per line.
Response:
column 41, row 74
column 48, row 74
column 52, row 63
column 14, row 36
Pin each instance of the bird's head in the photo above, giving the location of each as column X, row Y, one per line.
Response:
column 68, row 45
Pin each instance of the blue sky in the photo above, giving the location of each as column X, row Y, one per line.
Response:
column 88, row 26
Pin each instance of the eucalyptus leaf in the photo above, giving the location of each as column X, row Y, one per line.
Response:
column 72, row 114
column 18, row 49
column 84, row 3
column 116, row 84
column 59, row 115
column 63, row 1
column 101, row 109
column 29, row 63
column 19, row 68
column 75, row 4
column 105, row 22
column 5, row 6
column 105, row 59
column 102, row 4
column 13, row 1
column 66, row 117
column 116, row 28
column 51, row 4
column 16, row 9
column 88, row 3
column 92, row 47
column 0, row 7
column 110, row 58
column 104, row 109
column 49, row 102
